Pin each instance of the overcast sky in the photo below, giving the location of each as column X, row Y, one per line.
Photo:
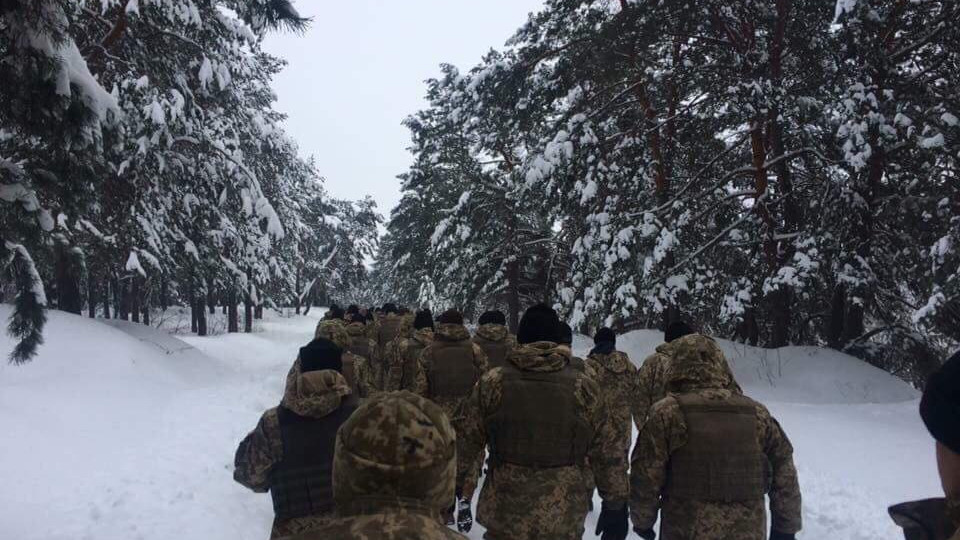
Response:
column 359, row 71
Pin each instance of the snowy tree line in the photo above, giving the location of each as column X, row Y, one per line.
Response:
column 779, row 171
column 142, row 165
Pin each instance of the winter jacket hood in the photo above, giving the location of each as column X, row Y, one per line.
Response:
column 357, row 329
column 451, row 332
column 540, row 356
column 315, row 394
column 398, row 450
column 335, row 331
column 423, row 336
column 697, row 363
column 493, row 332
column 615, row 362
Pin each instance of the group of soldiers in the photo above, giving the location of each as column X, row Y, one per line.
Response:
column 389, row 419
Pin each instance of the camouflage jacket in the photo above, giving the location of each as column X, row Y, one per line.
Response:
column 449, row 333
column 402, row 360
column 394, row 472
column 521, row 502
column 652, row 380
column 315, row 394
column 698, row 367
column 489, row 336
column 617, row 378
column 928, row 519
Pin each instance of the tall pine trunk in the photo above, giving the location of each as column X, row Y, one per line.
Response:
column 247, row 314
column 91, row 295
column 194, row 318
column 106, row 298
column 135, row 297
column 201, row 315
column 233, row 324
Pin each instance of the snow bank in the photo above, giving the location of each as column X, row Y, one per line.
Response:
column 119, row 431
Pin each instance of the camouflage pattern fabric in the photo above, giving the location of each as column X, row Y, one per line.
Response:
column 652, row 380
column 394, row 471
column 403, row 359
column 698, row 366
column 334, row 330
column 619, row 388
column 524, row 503
column 491, row 336
column 359, row 332
column 314, row 394
column 451, row 333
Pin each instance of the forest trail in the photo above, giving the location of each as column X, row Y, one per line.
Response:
column 135, row 430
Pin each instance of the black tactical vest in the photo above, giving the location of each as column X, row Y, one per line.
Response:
column 722, row 460
column 389, row 328
column 302, row 483
column 496, row 351
column 537, row 424
column 452, row 372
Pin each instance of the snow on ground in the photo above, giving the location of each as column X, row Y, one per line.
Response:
column 119, row 431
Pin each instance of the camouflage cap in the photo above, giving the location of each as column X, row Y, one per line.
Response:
column 397, row 446
column 697, row 362
column 335, row 331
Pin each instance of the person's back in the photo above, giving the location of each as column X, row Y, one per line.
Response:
column 290, row 453
column 389, row 327
column 356, row 369
column 617, row 378
column 360, row 343
column 395, row 472
column 543, row 421
column 707, row 457
column 494, row 338
column 452, row 364
column 404, row 371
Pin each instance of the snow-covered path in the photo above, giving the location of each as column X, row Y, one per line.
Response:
column 117, row 433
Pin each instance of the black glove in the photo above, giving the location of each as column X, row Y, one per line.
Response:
column 774, row 535
column 612, row 522
column 464, row 516
column 647, row 534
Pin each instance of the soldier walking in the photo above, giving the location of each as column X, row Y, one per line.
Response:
column 395, row 469
column 403, row 359
column 290, row 453
column 494, row 338
column 707, row 456
column 543, row 420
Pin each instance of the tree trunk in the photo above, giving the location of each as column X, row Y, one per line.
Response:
column 211, row 301
column 67, row 271
column 201, row 315
column 247, row 315
column 194, row 319
column 296, row 292
column 124, row 291
column 135, row 297
column 91, row 296
column 233, row 325
column 835, row 321
column 164, row 293
column 258, row 312
column 106, row 298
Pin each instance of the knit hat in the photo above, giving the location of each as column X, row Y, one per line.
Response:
column 493, row 317
column 539, row 323
column 424, row 319
column 676, row 330
column 565, row 334
column 389, row 307
column 940, row 405
column 451, row 316
column 605, row 335
column 321, row 354
column 335, row 312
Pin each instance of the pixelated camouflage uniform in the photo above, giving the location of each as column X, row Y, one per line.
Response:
column 699, row 371
column 617, row 378
column 519, row 502
column 360, row 342
column 496, row 342
column 390, row 326
column 394, row 472
column 652, row 380
column 404, row 371
column 316, row 394
column 449, row 334
column 356, row 369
